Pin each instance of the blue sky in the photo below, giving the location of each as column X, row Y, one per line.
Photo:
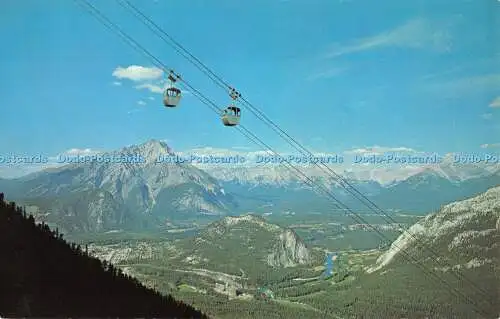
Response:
column 336, row 75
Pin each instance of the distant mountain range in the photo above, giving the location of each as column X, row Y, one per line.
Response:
column 277, row 187
column 383, row 174
column 98, row 196
column 101, row 196
column 429, row 190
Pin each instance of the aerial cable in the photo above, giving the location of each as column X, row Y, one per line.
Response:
column 220, row 82
column 344, row 183
column 156, row 60
column 142, row 16
column 208, row 102
column 205, row 69
column 204, row 98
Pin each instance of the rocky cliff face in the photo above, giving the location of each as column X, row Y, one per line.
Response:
column 289, row 251
column 101, row 195
column 245, row 239
column 465, row 233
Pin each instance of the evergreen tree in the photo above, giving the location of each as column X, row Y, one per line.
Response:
column 47, row 277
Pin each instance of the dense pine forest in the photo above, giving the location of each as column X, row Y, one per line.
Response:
column 43, row 275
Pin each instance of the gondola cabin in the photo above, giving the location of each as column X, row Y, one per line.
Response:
column 171, row 97
column 231, row 116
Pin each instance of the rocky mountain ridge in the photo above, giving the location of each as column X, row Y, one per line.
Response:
column 454, row 230
column 106, row 195
column 142, row 192
column 279, row 247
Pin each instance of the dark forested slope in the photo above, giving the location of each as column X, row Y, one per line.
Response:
column 42, row 275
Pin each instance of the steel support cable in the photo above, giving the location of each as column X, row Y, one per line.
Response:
column 204, row 100
column 152, row 25
column 259, row 114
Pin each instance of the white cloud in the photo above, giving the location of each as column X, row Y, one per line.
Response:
column 486, row 80
column 378, row 150
column 137, row 73
column 117, row 83
column 55, row 160
column 245, row 151
column 466, row 85
column 141, row 103
column 151, row 87
column 494, row 145
column 382, row 172
column 158, row 89
column 495, row 103
column 79, row 151
column 21, row 169
column 416, row 33
column 449, row 71
column 75, row 152
column 325, row 74
column 486, row 116
column 151, row 98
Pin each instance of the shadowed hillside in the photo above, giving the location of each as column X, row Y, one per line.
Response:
column 42, row 275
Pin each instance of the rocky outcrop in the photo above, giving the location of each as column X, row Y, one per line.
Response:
column 468, row 228
column 289, row 251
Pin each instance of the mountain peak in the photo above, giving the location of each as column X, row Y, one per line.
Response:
column 125, row 186
column 154, row 144
column 149, row 150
